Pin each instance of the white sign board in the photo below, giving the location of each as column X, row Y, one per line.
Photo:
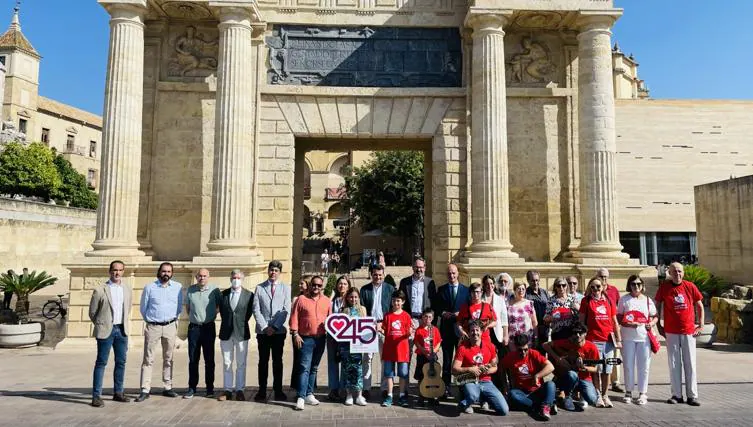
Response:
column 359, row 332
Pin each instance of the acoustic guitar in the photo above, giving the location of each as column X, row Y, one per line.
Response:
column 432, row 386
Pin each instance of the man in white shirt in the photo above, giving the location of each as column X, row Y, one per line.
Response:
column 376, row 298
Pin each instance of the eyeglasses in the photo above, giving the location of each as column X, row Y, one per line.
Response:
column 596, row 287
column 317, row 285
column 572, row 283
column 636, row 283
column 560, row 285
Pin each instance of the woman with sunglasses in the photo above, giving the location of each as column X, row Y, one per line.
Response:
column 521, row 317
column 561, row 311
column 598, row 314
column 637, row 315
column 334, row 381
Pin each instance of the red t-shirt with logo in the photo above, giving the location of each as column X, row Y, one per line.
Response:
column 679, row 306
column 479, row 310
column 421, row 338
column 396, row 333
column 522, row 369
column 589, row 350
column 474, row 355
column 599, row 314
column 614, row 296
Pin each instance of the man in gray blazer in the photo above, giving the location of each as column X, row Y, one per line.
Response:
column 236, row 307
column 108, row 310
column 271, row 311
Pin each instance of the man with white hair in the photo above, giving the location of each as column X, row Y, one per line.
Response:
column 236, row 308
column 683, row 320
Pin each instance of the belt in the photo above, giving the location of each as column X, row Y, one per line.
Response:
column 162, row 323
column 201, row 324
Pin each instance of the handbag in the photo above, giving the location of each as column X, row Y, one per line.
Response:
column 652, row 338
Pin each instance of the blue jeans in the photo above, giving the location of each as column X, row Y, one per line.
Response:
column 488, row 392
column 334, row 382
column 118, row 341
column 311, row 354
column 402, row 371
column 544, row 395
column 570, row 383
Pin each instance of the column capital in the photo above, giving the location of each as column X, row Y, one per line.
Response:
column 600, row 20
column 129, row 10
column 480, row 19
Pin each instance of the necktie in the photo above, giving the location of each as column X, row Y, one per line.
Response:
column 454, row 295
column 234, row 299
column 272, row 286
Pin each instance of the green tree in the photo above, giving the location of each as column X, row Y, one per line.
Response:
column 387, row 193
column 74, row 188
column 28, row 171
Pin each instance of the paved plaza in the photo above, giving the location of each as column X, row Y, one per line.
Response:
column 42, row 386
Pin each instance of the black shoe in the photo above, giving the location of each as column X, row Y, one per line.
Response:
column 120, row 397
column 260, row 396
column 97, row 402
column 674, row 399
column 421, row 402
column 366, row 394
column 142, row 397
column 617, row 388
column 281, row 397
column 333, row 396
column 209, row 394
column 692, row 401
column 169, row 393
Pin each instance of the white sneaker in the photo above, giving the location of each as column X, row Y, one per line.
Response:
column 311, row 400
column 582, row 403
column 642, row 399
column 349, row 400
column 485, row 406
column 628, row 398
column 299, row 404
column 468, row 410
column 360, row 401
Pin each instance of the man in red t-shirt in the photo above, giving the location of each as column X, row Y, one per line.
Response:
column 613, row 294
column 600, row 317
column 681, row 301
column 525, row 368
column 478, row 358
column 571, row 374
column 479, row 310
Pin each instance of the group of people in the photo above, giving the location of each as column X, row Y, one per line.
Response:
column 502, row 338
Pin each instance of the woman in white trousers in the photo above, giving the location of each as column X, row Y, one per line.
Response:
column 637, row 314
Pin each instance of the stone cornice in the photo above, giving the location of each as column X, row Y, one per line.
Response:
column 478, row 16
column 597, row 19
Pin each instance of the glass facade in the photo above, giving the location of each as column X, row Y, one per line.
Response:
column 653, row 248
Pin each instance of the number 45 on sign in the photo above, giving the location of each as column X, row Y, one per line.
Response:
column 359, row 332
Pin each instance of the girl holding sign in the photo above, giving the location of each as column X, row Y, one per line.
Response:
column 351, row 374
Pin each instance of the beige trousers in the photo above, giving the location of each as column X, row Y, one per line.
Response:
column 153, row 335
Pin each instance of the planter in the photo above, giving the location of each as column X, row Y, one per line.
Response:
column 23, row 335
column 707, row 336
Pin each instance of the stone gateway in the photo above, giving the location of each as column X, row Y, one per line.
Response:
column 210, row 107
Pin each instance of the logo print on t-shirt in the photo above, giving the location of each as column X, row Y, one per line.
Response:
column 556, row 315
column 629, row 317
column 477, row 314
column 523, row 369
column 679, row 299
column 396, row 324
column 602, row 309
column 478, row 358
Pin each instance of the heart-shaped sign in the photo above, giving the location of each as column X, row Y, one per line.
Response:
column 336, row 323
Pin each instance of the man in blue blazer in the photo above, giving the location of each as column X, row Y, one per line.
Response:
column 450, row 297
column 376, row 297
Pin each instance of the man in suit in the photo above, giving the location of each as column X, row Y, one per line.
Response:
column 420, row 292
column 376, row 297
column 271, row 310
column 108, row 310
column 450, row 297
column 236, row 307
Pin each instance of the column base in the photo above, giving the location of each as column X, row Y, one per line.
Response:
column 491, row 252
column 109, row 248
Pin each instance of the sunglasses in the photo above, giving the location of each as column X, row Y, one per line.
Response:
column 596, row 288
column 636, row 283
column 572, row 283
column 560, row 285
column 317, row 285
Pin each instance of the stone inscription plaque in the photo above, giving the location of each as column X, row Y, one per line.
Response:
column 362, row 56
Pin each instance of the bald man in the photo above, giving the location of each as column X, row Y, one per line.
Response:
column 202, row 300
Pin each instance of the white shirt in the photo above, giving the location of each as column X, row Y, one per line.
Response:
column 642, row 304
column 417, row 296
column 116, row 293
column 376, row 307
column 234, row 296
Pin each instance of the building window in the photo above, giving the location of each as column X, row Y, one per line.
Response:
column 2, row 59
column 46, row 136
column 70, row 143
column 22, row 125
column 91, row 178
column 92, row 148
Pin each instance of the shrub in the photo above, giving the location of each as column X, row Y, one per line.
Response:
column 707, row 282
column 23, row 285
column 329, row 289
column 389, row 279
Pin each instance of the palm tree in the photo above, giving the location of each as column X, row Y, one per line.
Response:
column 23, row 285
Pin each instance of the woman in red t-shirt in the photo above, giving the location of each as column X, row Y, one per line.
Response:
column 597, row 312
column 476, row 310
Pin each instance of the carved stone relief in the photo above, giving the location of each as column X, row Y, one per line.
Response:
column 192, row 53
column 531, row 62
column 186, row 10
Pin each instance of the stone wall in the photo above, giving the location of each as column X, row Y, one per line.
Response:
column 665, row 147
column 724, row 220
column 733, row 319
column 40, row 236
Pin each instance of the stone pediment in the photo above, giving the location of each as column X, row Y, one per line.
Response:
column 71, row 129
column 24, row 113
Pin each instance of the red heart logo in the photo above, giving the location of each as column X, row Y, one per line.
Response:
column 338, row 324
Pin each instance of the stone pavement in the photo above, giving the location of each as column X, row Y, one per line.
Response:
column 41, row 386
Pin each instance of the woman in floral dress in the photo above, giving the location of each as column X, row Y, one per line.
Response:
column 561, row 310
column 521, row 315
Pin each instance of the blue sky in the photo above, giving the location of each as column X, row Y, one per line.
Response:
column 686, row 48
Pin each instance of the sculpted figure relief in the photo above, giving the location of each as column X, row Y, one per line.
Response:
column 193, row 52
column 533, row 61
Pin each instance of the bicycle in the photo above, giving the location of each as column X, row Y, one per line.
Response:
column 53, row 308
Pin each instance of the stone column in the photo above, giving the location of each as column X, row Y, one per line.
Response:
column 598, row 201
column 234, row 154
column 489, row 175
column 117, row 216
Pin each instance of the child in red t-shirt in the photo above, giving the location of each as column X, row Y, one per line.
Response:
column 424, row 353
column 525, row 367
column 396, row 328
